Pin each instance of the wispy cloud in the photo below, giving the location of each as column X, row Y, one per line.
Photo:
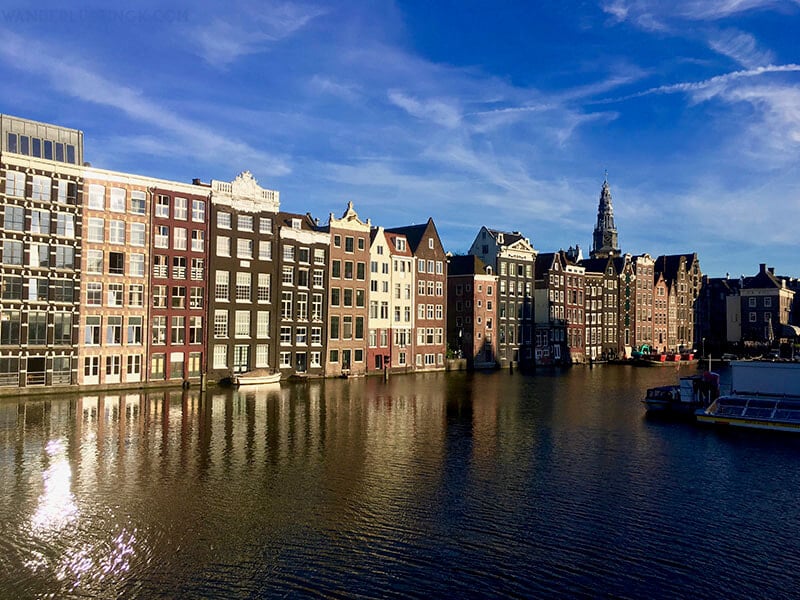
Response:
column 655, row 14
column 741, row 47
column 436, row 111
column 67, row 76
column 248, row 27
column 703, row 90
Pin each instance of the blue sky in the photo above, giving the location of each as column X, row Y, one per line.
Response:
column 501, row 114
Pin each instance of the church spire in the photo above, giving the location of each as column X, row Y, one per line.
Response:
column 604, row 240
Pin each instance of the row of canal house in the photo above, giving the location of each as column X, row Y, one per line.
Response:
column 115, row 278
column 558, row 307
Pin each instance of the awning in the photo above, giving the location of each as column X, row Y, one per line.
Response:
column 791, row 331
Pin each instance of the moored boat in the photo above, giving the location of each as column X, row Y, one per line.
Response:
column 691, row 393
column 765, row 395
column 256, row 377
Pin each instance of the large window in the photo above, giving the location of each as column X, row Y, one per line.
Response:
column 117, row 200
column 114, row 330
column 15, row 183
column 92, row 332
column 41, row 188
column 136, row 294
column 159, row 329
column 134, row 330
column 180, row 210
column 97, row 197
column 198, row 240
column 264, row 291
column 198, row 211
column 138, row 202
column 195, row 330
column 222, row 286
column 116, row 263
column 65, row 225
column 62, row 328
column 243, row 286
column 137, row 234
column 14, row 218
column 178, row 330
column 37, row 328
column 116, row 232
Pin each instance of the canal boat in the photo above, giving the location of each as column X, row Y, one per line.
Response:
column 691, row 393
column 765, row 395
column 258, row 376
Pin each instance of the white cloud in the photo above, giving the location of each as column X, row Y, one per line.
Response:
column 436, row 111
column 249, row 27
column 741, row 47
column 68, row 77
column 655, row 14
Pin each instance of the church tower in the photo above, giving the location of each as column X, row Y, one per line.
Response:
column 604, row 240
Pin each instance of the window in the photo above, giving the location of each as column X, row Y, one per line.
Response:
column 244, row 223
column 63, row 290
column 242, row 324
column 65, row 225
column 348, row 244
column 177, row 330
column 243, row 282
column 336, row 269
column 264, row 225
column 195, row 330
column 348, row 269
column 12, row 252
column 159, row 329
column 224, row 220
column 65, row 257
column 137, row 234
column 286, row 335
column 15, row 183
column 421, row 265
column 288, row 253
column 287, row 275
column 319, row 256
column 198, row 240
column 752, row 301
column 179, row 209
column 264, row 250
column 137, row 202
column 40, row 189
column 14, row 218
column 262, row 356
column 137, row 265
column 286, row 305
column 162, row 236
column 162, row 206
column 262, row 324
column 198, row 269
column 97, row 197
column 116, row 232
column 361, row 271
column 134, row 331
column 178, row 296
column 179, row 238
column 221, row 287
column 430, row 243
column 116, row 263
column 37, row 328
column 220, row 324
column 117, row 200
column 263, row 292
column 223, row 246
column 96, row 229
column 62, row 328
column 113, row 330
column 244, row 248
column 40, row 222
column 38, row 289
column 334, row 329
column 316, row 307
column 94, row 293
column 196, row 297
column 337, row 241
column 39, row 255
column 92, row 331
column 198, row 211
column 134, row 366
column 220, row 360
column 115, row 294
column 136, row 294
column 179, row 267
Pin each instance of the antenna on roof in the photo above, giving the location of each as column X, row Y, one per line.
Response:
column 605, row 176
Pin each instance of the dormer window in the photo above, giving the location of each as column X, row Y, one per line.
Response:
column 295, row 223
column 430, row 243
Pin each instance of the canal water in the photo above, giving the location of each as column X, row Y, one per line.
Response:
column 445, row 485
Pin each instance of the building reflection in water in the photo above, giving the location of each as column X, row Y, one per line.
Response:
column 102, row 487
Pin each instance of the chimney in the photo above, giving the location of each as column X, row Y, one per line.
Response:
column 762, row 267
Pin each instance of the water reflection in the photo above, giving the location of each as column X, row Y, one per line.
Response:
column 483, row 484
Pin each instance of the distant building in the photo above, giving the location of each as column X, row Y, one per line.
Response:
column 472, row 311
column 682, row 275
column 766, row 305
column 42, row 202
column 242, row 240
column 513, row 259
column 605, row 239
column 431, row 277
column 347, row 304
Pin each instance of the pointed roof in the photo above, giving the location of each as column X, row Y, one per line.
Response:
column 414, row 233
column 468, row 264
